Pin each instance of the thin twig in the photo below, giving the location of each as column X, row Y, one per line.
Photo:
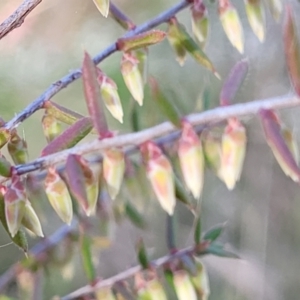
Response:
column 131, row 140
column 17, row 18
column 160, row 262
column 66, row 80
column 44, row 245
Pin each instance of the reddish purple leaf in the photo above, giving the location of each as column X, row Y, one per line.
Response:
column 93, row 97
column 278, row 145
column 70, row 136
column 233, row 82
column 292, row 50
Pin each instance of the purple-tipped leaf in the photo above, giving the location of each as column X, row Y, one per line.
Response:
column 93, row 97
column 233, row 82
column 278, row 145
column 69, row 137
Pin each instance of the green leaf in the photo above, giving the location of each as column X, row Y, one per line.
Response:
column 142, row 254
column 233, row 82
column 20, row 238
column 86, row 256
column 134, row 216
column 93, row 96
column 170, row 232
column 213, row 233
column 219, row 250
column 70, row 137
column 165, row 106
column 292, row 49
column 198, row 230
column 142, row 40
column 195, row 51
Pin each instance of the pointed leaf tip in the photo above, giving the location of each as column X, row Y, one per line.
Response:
column 103, row 6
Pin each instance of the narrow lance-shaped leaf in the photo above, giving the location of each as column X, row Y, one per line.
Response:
column 200, row 22
column 51, row 127
column 292, row 50
column 14, row 199
column 279, row 147
column 17, row 148
column 231, row 24
column 132, row 76
column 4, row 136
column 142, row 254
column 93, row 97
column 31, row 221
column 276, row 8
column 174, row 38
column 198, row 230
column 61, row 113
column 256, row 17
column 234, row 142
column 213, row 233
column 220, row 250
column 134, row 216
column 82, row 182
column 70, row 137
column 87, row 257
column 171, row 233
column 191, row 158
column 141, row 40
column 103, row 6
column 191, row 47
column 160, row 174
column 289, row 138
column 113, row 170
column 19, row 238
column 183, row 286
column 110, row 96
column 233, row 82
column 58, row 195
column 164, row 104
column 201, row 281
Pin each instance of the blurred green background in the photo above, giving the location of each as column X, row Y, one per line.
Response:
column 262, row 212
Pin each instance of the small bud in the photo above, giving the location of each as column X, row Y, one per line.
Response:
column 132, row 76
column 276, row 8
column 104, row 294
column 51, row 127
column 160, row 174
column 174, row 36
column 31, row 221
column 191, row 159
column 231, row 24
column 200, row 21
column 156, row 290
column 113, row 170
column 5, row 167
column 212, row 151
column 58, row 195
column 183, row 286
column 14, row 200
column 256, row 16
column 110, row 96
column 103, row 7
column 201, row 281
column 17, row 149
column 233, row 152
